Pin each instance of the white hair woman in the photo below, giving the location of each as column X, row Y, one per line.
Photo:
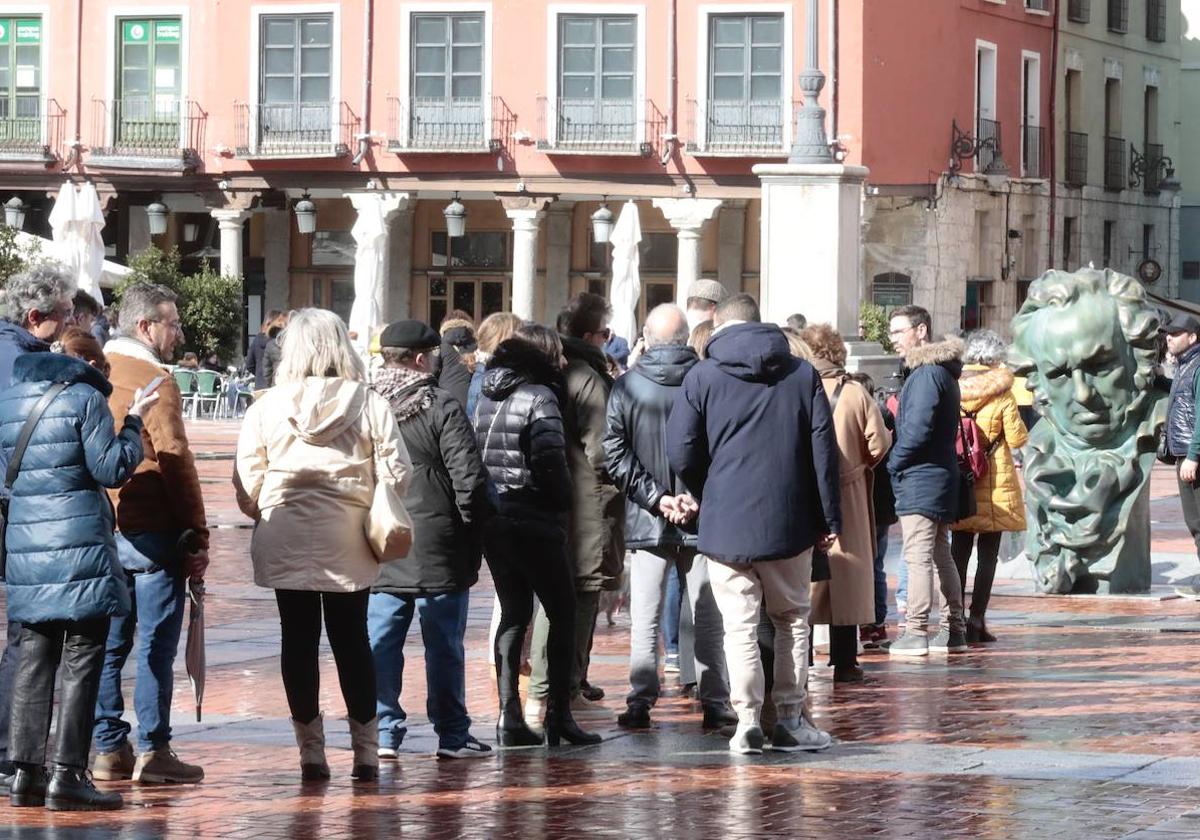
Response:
column 309, row 454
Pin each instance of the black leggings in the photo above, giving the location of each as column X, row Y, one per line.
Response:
column 961, row 543
column 524, row 563
column 346, row 627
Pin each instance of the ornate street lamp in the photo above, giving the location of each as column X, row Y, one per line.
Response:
column 157, row 214
column 306, row 215
column 456, row 218
column 811, row 144
column 602, row 224
column 14, row 213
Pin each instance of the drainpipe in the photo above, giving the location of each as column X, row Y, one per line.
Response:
column 1054, row 136
column 672, row 136
column 76, row 143
column 364, row 138
column 833, row 73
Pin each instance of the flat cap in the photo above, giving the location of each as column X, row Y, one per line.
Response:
column 409, row 335
column 708, row 290
column 1182, row 323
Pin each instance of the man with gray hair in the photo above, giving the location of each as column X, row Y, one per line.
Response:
column 37, row 310
column 659, row 520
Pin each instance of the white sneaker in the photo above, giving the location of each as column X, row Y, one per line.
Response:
column 387, row 752
column 747, row 740
column 585, row 709
column 535, row 711
column 804, row 738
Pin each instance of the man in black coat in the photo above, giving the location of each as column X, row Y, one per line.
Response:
column 447, row 500
column 925, row 476
column 656, row 507
column 751, row 435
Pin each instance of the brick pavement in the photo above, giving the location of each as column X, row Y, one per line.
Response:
column 1082, row 722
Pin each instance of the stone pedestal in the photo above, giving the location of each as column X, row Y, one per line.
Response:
column 811, row 216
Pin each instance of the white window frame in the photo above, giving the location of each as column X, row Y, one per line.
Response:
column 407, row 10
column 985, row 46
column 1034, row 93
column 553, row 12
column 42, row 11
column 703, row 15
column 116, row 13
column 257, row 13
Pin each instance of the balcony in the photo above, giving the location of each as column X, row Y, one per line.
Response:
column 1033, row 152
column 735, row 128
column 294, row 130
column 987, row 135
column 1115, row 176
column 31, row 129
column 1077, row 159
column 1118, row 15
column 1079, row 11
column 144, row 133
column 1156, row 20
column 1152, row 166
column 457, row 126
column 597, row 126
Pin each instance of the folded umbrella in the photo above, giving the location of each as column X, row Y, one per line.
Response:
column 194, row 652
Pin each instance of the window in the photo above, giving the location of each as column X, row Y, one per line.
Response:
column 745, row 80
column 1156, row 20
column 1148, row 248
column 1118, row 15
column 20, row 80
column 986, row 125
column 596, row 78
column 1038, row 5
column 1115, row 176
column 1068, row 244
column 149, row 80
column 485, row 249
column 656, row 252
column 978, row 302
column 1191, row 270
column 479, row 296
column 1109, row 228
column 447, row 79
column 891, row 289
column 1031, row 119
column 296, row 82
column 1079, row 11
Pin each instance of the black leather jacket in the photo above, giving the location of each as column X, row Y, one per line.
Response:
column 519, row 429
column 1181, row 405
column 635, row 444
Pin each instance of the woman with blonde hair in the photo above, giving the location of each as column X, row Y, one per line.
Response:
column 698, row 340
column 309, row 455
column 495, row 330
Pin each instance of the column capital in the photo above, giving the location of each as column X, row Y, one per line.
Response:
column 524, row 206
column 687, row 214
column 229, row 216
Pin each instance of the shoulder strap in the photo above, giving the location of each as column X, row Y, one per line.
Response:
column 837, row 393
column 39, row 408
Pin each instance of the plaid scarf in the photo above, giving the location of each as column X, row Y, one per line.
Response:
column 408, row 392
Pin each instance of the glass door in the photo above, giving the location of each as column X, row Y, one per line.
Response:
column 147, row 110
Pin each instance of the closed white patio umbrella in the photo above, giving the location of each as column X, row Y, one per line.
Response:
column 370, row 261
column 75, row 224
column 626, row 283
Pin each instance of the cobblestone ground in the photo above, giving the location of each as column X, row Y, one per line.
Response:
column 1082, row 722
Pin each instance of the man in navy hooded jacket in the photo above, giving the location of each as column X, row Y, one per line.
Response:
column 751, row 434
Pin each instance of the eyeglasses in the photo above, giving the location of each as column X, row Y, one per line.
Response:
column 175, row 326
column 605, row 333
column 894, row 333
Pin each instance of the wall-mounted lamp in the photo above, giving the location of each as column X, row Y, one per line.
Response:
column 157, row 214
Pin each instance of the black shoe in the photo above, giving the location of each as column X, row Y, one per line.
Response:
column 560, row 725
column 28, row 787
column 716, row 716
column 635, row 716
column 592, row 692
column 71, row 789
column 314, row 772
column 848, row 674
column 364, row 772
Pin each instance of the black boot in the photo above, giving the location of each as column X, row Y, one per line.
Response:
column 28, row 788
column 560, row 725
column 511, row 729
column 71, row 789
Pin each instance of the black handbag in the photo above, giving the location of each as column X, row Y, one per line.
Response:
column 14, row 464
column 967, row 506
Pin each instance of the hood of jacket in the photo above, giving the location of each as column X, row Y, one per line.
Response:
column 947, row 353
column 666, row 364
column 22, row 337
column 751, row 352
column 514, row 364
column 323, row 408
column 578, row 350
column 56, row 367
column 979, row 385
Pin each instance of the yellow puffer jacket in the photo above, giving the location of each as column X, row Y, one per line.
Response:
column 987, row 393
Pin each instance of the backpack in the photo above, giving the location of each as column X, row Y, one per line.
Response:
column 972, row 447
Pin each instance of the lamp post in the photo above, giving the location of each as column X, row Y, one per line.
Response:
column 810, row 144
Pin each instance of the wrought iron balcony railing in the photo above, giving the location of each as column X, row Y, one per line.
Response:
column 1118, row 15
column 1033, row 152
column 987, row 135
column 1156, row 20
column 30, row 127
column 740, row 128
column 440, row 125
column 1152, row 168
column 1115, row 176
column 294, row 129
column 145, row 132
column 1077, row 158
column 597, row 126
column 1079, row 11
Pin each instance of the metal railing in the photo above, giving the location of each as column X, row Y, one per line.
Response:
column 1079, row 11
column 1118, row 15
column 1152, row 166
column 30, row 127
column 294, row 129
column 1156, row 20
column 1077, row 158
column 1115, row 176
column 987, row 135
column 142, row 127
column 613, row 126
column 1038, row 5
column 1032, row 153
column 740, row 127
column 440, row 125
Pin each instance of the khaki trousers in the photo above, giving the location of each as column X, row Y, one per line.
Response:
column 927, row 553
column 740, row 592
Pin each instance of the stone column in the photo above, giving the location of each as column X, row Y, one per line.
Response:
column 558, row 258
column 277, row 259
column 397, row 303
column 687, row 216
column 526, row 213
column 386, row 204
column 229, row 221
column 731, row 245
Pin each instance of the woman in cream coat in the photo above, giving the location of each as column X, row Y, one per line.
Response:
column 308, row 456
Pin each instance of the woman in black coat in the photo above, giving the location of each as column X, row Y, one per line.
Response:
column 519, row 428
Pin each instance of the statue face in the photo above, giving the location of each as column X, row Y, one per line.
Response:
column 1087, row 369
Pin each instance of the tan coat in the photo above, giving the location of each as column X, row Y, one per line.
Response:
column 863, row 441
column 998, row 497
column 306, row 475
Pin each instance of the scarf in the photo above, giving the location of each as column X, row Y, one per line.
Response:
column 125, row 346
column 408, row 392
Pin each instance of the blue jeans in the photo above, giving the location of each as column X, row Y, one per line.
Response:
column 443, row 624
column 156, row 619
column 881, row 547
column 672, row 605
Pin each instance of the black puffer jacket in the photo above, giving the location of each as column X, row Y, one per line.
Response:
column 519, row 429
column 635, row 444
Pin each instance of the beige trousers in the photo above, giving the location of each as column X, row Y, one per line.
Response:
column 927, row 553
column 740, row 592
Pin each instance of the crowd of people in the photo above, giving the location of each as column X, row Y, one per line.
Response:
column 737, row 459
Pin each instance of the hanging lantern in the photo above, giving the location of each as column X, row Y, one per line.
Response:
column 602, row 224
column 306, row 215
column 14, row 213
column 157, row 213
column 456, row 218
